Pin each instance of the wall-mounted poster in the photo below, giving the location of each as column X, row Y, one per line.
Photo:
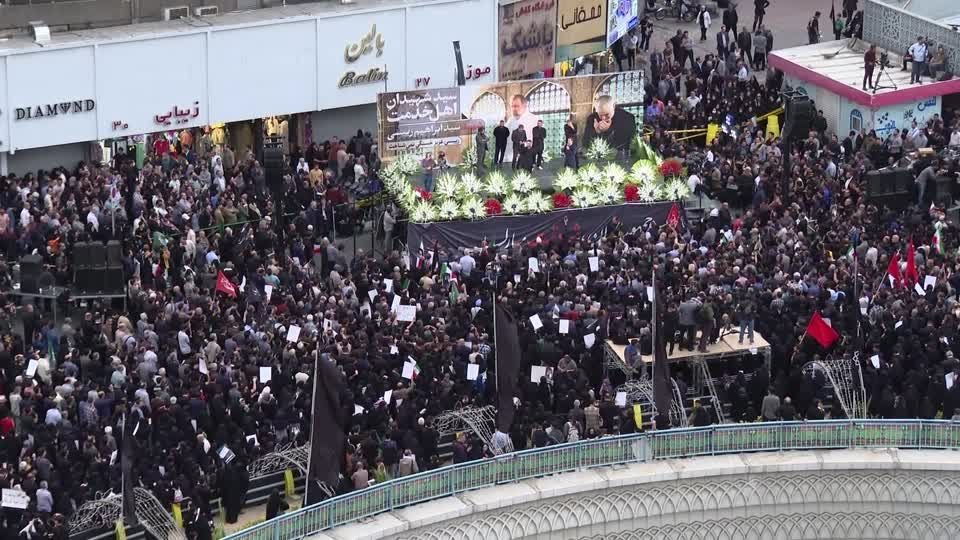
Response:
column 621, row 18
column 581, row 28
column 527, row 37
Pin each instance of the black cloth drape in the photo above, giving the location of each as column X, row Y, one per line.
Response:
column 327, row 438
column 508, row 365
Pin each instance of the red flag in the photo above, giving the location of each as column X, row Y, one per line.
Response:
column 819, row 330
column 893, row 271
column 225, row 286
column 673, row 216
column 911, row 276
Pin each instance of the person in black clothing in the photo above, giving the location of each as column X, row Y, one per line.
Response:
column 759, row 10
column 730, row 20
column 276, row 504
column 813, row 29
column 500, row 136
column 518, row 137
column 615, row 125
column 539, row 139
column 646, row 31
column 788, row 412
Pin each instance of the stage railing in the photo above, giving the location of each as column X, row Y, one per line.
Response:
column 634, row 448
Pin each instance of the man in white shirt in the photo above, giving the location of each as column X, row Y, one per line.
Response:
column 520, row 115
column 467, row 263
column 743, row 74
column 918, row 56
column 630, row 42
column 955, row 137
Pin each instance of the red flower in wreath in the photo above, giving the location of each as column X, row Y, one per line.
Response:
column 493, row 207
column 561, row 200
column 670, row 168
column 423, row 193
column 631, row 193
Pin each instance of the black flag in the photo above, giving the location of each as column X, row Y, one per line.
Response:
column 128, row 452
column 508, row 365
column 327, row 438
column 662, row 396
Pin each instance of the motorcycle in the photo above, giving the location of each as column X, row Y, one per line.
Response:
column 682, row 12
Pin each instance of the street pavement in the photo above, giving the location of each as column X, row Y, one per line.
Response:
column 787, row 19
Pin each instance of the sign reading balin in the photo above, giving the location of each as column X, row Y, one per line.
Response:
column 55, row 109
column 371, row 42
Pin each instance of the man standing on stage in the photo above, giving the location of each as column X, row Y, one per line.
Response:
column 918, row 57
column 500, row 136
column 518, row 137
column 480, row 142
column 869, row 61
column 539, row 139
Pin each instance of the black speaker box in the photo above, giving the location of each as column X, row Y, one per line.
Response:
column 81, row 255
column 889, row 181
column 942, row 190
column 113, row 279
column 97, row 255
column 89, row 279
column 31, row 266
column 799, row 114
column 114, row 253
column 893, row 201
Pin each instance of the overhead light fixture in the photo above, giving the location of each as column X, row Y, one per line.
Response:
column 41, row 32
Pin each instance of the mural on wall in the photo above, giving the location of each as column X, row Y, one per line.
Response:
column 903, row 116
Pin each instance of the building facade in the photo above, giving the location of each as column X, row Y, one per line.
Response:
column 324, row 63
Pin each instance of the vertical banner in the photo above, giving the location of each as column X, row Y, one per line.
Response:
column 327, row 437
column 622, row 17
column 420, row 121
column 581, row 28
column 527, row 37
column 508, row 365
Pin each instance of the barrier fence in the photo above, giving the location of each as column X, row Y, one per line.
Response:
column 634, row 448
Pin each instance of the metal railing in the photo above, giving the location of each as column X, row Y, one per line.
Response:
column 634, row 448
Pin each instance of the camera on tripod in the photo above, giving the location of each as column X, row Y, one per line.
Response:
column 884, row 60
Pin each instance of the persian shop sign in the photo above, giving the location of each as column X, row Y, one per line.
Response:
column 371, row 42
column 55, row 109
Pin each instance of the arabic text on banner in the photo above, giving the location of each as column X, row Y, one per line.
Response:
column 527, row 37
column 419, row 120
column 581, row 22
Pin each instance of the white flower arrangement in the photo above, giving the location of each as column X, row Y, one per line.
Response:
column 473, row 208
column 423, row 212
column 609, row 193
column 468, row 159
column 461, row 194
column 584, row 197
column 676, row 189
column 599, row 150
column 538, row 203
column 513, row 204
column 470, row 184
column 449, row 209
column 496, row 184
column 649, row 190
column 523, row 182
column 447, row 186
column 613, row 173
column 567, row 180
column 590, row 175
column 644, row 171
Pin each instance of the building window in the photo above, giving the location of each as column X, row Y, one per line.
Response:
column 490, row 108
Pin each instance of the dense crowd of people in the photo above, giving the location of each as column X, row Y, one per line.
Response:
column 178, row 375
